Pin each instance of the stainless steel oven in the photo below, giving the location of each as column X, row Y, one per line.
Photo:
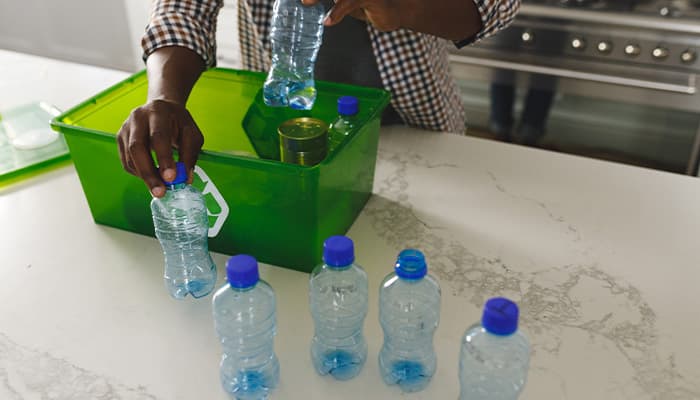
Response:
column 623, row 73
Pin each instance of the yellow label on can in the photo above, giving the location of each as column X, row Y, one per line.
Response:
column 303, row 140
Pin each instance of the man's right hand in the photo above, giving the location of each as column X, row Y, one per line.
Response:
column 160, row 126
column 163, row 123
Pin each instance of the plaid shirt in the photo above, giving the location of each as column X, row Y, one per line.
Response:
column 413, row 66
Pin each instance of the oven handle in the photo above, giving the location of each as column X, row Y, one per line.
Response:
column 689, row 89
column 627, row 19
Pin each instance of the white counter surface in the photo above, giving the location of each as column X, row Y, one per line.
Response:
column 602, row 257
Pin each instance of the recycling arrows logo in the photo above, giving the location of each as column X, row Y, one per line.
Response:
column 217, row 208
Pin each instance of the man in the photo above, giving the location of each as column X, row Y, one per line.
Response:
column 395, row 44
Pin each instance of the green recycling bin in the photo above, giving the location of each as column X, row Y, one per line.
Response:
column 278, row 212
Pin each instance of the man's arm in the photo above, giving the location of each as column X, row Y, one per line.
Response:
column 163, row 122
column 449, row 19
column 457, row 20
column 178, row 46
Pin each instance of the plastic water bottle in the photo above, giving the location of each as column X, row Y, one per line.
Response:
column 296, row 33
column 494, row 357
column 340, row 129
column 244, row 317
column 182, row 226
column 409, row 312
column 338, row 301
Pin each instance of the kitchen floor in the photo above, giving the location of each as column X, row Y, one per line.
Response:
column 644, row 136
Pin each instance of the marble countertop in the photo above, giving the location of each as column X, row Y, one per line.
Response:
column 602, row 258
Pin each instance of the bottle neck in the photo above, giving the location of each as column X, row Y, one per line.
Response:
column 243, row 289
column 498, row 335
column 348, row 117
column 410, row 280
column 339, row 267
column 177, row 186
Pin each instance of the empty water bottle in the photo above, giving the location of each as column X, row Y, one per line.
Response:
column 409, row 312
column 494, row 358
column 338, row 301
column 244, row 317
column 343, row 124
column 296, row 32
column 182, row 226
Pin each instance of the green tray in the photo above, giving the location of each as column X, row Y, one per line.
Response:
column 19, row 159
column 280, row 213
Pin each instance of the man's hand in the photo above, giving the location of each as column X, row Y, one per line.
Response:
column 159, row 125
column 163, row 123
column 382, row 14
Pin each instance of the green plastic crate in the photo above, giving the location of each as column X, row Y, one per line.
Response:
column 280, row 213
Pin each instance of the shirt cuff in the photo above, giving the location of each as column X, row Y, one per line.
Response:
column 178, row 30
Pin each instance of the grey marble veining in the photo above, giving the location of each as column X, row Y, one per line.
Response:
column 552, row 300
column 27, row 374
column 556, row 218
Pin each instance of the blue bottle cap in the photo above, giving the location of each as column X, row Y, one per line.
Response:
column 500, row 316
column 347, row 105
column 180, row 176
column 338, row 251
column 411, row 264
column 242, row 271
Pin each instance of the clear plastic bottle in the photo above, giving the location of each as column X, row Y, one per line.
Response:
column 409, row 312
column 338, row 302
column 348, row 107
column 495, row 356
column 296, row 33
column 245, row 321
column 182, row 226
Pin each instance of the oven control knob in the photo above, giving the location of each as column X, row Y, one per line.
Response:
column 527, row 37
column 578, row 43
column 659, row 53
column 669, row 11
column 688, row 56
column 604, row 47
column 632, row 50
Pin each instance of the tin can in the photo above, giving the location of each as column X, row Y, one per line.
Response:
column 303, row 141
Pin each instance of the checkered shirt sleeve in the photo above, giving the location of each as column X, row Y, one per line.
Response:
column 495, row 15
column 414, row 67
column 184, row 23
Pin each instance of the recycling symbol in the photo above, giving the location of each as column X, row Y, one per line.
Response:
column 217, row 208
